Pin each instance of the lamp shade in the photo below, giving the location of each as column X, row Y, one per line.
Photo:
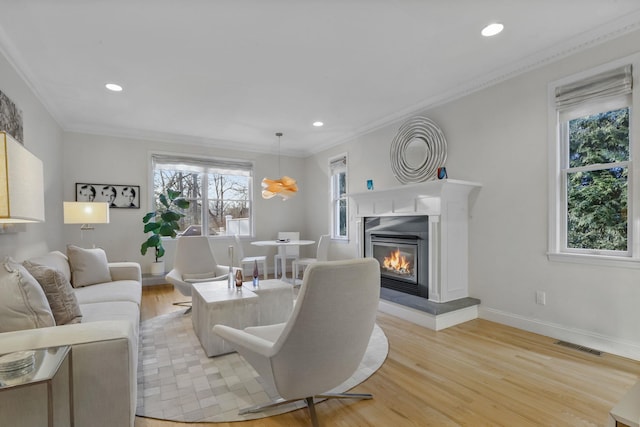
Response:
column 86, row 212
column 21, row 183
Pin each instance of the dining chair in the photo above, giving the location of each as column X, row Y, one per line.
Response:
column 324, row 340
column 250, row 260
column 194, row 262
column 286, row 252
column 322, row 254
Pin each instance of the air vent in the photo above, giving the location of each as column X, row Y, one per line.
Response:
column 579, row 348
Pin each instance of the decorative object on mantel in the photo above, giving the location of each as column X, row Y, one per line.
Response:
column 165, row 223
column 418, row 150
column 21, row 183
column 442, row 173
column 284, row 187
column 11, row 118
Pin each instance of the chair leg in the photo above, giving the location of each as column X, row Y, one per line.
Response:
column 312, row 411
column 359, row 396
column 184, row 304
column 260, row 408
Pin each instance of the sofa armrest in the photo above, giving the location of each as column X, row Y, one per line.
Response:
column 125, row 271
column 104, row 363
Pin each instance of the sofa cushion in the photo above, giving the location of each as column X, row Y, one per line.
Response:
column 56, row 260
column 88, row 266
column 120, row 290
column 59, row 293
column 23, row 304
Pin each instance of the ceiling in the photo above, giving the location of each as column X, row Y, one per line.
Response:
column 231, row 73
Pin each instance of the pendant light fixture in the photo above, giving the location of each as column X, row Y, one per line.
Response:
column 284, row 187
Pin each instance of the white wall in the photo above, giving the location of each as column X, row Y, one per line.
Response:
column 498, row 137
column 43, row 137
column 113, row 160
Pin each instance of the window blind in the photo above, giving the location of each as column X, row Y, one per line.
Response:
column 338, row 165
column 205, row 165
column 609, row 84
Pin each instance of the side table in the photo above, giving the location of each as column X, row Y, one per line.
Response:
column 47, row 362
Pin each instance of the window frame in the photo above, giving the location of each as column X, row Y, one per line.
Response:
column 213, row 162
column 558, row 172
column 333, row 201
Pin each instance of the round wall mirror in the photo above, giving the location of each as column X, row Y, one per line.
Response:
column 415, row 153
column 418, row 150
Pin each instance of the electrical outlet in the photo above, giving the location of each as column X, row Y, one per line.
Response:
column 541, row 297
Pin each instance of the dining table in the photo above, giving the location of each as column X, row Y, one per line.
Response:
column 282, row 244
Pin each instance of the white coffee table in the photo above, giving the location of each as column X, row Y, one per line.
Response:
column 214, row 303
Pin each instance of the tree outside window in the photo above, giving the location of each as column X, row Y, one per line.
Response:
column 219, row 196
column 597, row 181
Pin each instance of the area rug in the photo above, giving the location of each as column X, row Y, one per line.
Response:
column 178, row 382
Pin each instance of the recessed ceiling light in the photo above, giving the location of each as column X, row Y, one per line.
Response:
column 492, row 29
column 113, row 87
column 318, row 124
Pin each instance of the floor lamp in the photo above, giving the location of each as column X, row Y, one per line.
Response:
column 86, row 213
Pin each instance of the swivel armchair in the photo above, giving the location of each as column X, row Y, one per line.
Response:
column 194, row 262
column 325, row 338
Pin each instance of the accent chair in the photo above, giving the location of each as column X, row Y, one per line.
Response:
column 324, row 340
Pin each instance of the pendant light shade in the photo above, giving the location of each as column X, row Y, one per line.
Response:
column 284, row 187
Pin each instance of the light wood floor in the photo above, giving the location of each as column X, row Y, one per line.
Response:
column 475, row 374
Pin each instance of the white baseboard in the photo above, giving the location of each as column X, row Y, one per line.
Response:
column 430, row 321
column 573, row 335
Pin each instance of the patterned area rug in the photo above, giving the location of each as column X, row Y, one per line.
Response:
column 178, row 382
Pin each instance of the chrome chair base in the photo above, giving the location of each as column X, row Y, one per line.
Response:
column 310, row 403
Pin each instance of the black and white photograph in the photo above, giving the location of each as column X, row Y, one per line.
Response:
column 118, row 196
column 11, row 118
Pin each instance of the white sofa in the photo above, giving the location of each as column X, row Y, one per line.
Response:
column 104, row 354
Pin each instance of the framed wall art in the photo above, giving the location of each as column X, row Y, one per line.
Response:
column 118, row 196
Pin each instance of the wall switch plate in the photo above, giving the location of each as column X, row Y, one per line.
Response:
column 541, row 297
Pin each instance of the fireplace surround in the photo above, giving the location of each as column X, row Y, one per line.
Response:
column 443, row 208
column 444, row 205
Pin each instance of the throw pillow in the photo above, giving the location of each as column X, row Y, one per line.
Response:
column 23, row 304
column 88, row 266
column 62, row 299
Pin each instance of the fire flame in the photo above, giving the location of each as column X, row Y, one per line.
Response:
column 397, row 263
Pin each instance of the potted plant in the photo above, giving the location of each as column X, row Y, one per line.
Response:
column 163, row 222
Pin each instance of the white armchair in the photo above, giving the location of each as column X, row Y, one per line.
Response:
column 194, row 262
column 324, row 340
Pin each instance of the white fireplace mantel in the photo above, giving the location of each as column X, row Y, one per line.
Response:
column 447, row 205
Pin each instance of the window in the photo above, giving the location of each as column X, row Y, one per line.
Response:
column 592, row 204
column 219, row 192
column 339, row 205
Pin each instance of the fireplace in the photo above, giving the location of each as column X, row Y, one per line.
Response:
column 400, row 244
